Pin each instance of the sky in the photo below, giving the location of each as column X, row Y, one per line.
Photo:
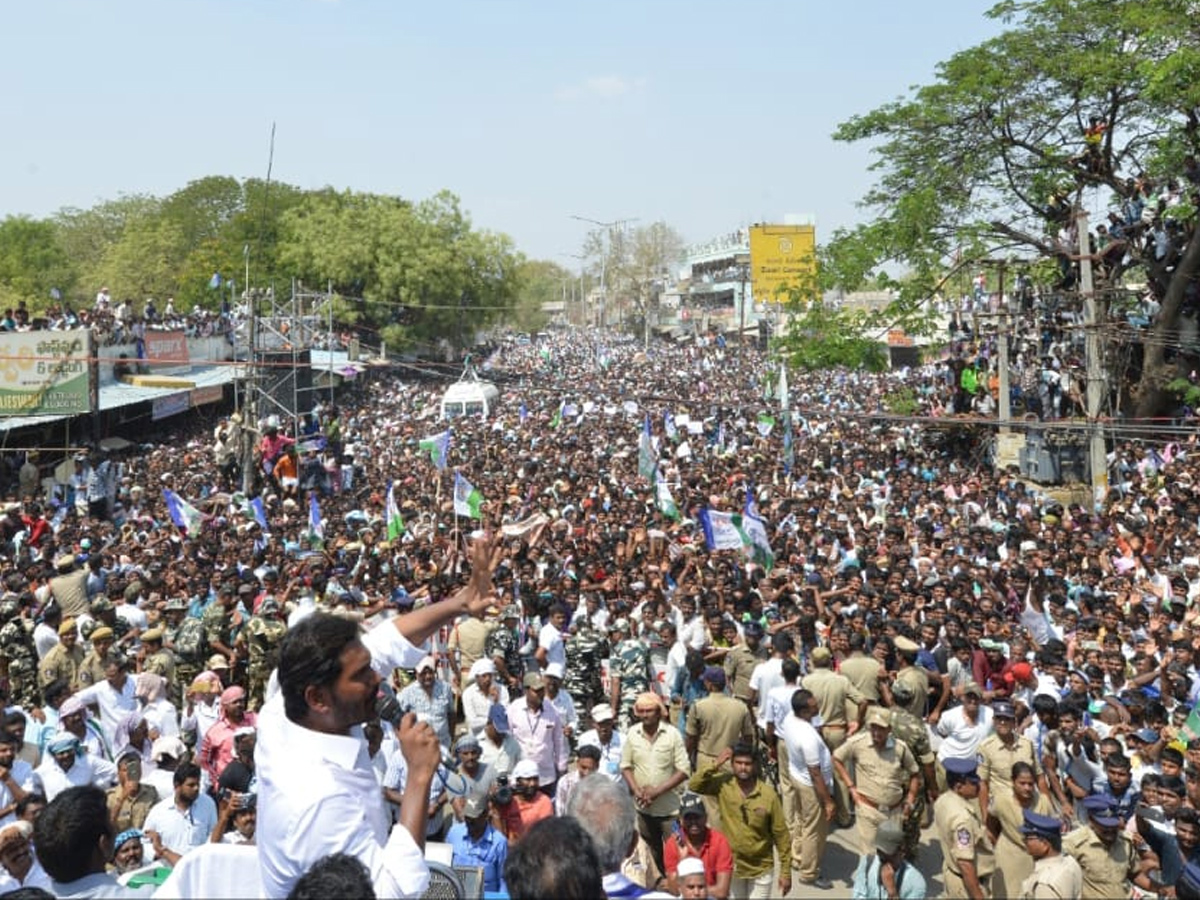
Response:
column 706, row 115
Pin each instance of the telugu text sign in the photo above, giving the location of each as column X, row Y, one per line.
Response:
column 167, row 351
column 44, row 373
column 782, row 256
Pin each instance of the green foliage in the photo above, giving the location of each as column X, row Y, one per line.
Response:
column 32, row 261
column 902, row 402
column 821, row 338
column 967, row 165
column 420, row 269
column 1186, row 390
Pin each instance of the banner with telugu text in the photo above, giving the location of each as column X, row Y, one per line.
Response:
column 44, row 373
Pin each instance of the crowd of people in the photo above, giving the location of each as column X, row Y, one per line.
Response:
column 587, row 697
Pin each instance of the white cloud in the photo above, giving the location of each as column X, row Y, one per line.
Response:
column 604, row 87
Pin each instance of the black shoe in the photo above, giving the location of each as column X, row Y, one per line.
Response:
column 823, row 884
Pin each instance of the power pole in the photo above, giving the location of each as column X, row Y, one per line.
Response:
column 1002, row 342
column 1097, row 452
column 250, row 410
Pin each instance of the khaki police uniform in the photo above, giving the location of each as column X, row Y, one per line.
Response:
column 716, row 722
column 863, row 672
column 1054, row 878
column 996, row 760
column 963, row 838
column 1013, row 862
column 833, row 693
column 1107, row 871
column 882, row 779
column 918, row 679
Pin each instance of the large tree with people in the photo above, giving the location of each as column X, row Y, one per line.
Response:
column 1071, row 106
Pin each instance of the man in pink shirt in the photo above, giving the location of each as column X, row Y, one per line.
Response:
column 216, row 750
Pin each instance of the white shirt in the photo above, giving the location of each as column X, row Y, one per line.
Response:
column 318, row 794
column 114, row 705
column 766, row 675
column 551, row 639
column 779, row 705
column 182, row 830
column 44, row 639
column 134, row 616
column 162, row 716
column 961, row 739
column 805, row 748
column 610, row 755
column 86, row 769
column 564, row 705
column 676, row 660
column 500, row 759
column 477, row 705
column 203, row 717
column 26, row 779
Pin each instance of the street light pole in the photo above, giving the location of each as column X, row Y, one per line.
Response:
column 608, row 227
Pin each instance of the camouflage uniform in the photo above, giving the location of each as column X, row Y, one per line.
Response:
column 218, row 627
column 911, row 731
column 586, row 650
column 262, row 635
column 631, row 666
column 16, row 645
column 187, row 667
column 162, row 663
column 505, row 643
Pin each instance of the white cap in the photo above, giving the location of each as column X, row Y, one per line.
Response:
column 482, row 667
column 690, row 865
column 526, row 768
column 554, row 670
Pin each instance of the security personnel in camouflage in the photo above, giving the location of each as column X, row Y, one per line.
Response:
column 16, row 645
column 503, row 647
column 629, row 671
column 262, row 636
column 586, row 651
column 911, row 731
column 187, row 665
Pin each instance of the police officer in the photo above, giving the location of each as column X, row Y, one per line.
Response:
column 158, row 659
column 16, row 645
column 999, row 750
column 834, row 692
column 912, row 732
column 913, row 675
column 885, row 779
column 967, row 860
column 91, row 670
column 743, row 657
column 1055, row 877
column 503, row 646
column 1105, row 853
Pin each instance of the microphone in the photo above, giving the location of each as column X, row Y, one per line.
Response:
column 390, row 710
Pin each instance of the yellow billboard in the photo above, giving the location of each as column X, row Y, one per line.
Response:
column 782, row 256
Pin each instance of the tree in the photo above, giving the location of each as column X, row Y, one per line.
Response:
column 32, row 262
column 635, row 264
column 539, row 282
column 421, row 270
column 1063, row 109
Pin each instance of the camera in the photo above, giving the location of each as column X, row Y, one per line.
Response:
column 504, row 791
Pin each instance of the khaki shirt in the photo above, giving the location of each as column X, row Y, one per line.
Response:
column 718, row 721
column 832, row 691
column 739, row 665
column 863, row 672
column 962, row 834
column 996, row 761
column 91, row 670
column 655, row 760
column 1054, row 878
column 881, row 776
column 61, row 663
column 161, row 663
column 919, row 679
column 131, row 812
column 468, row 637
column 1107, row 871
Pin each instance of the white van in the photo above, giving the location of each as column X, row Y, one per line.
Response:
column 470, row 396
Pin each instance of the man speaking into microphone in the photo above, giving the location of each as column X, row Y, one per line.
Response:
column 317, row 789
